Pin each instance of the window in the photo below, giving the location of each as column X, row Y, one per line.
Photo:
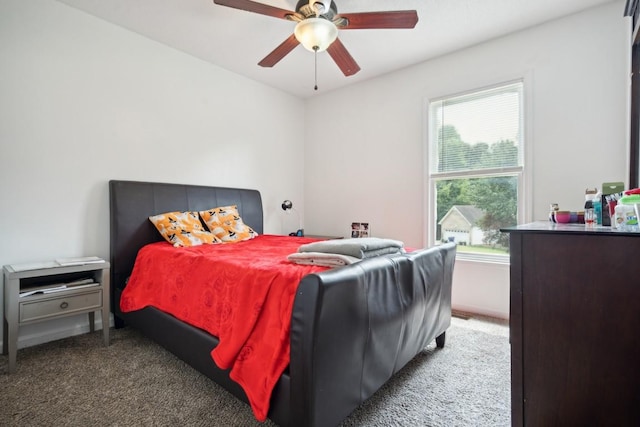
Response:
column 475, row 170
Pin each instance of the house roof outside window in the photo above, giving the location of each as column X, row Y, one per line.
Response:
column 469, row 213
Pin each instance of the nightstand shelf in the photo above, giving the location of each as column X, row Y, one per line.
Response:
column 39, row 292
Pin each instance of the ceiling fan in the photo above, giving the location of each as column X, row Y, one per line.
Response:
column 317, row 27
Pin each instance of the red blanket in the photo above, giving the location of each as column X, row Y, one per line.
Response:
column 240, row 292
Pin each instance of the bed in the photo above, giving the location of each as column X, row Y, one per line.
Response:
column 352, row 328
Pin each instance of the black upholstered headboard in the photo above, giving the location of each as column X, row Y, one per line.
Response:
column 131, row 203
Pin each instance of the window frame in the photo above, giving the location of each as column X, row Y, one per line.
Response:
column 522, row 173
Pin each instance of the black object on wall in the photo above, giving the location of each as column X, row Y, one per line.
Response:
column 632, row 10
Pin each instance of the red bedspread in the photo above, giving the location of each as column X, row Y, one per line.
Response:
column 240, row 292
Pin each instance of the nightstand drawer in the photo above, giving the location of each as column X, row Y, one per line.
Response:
column 43, row 308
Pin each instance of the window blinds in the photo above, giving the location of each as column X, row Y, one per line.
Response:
column 480, row 130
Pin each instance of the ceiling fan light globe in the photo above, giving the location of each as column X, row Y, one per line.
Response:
column 316, row 34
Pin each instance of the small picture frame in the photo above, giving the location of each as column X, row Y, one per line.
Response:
column 360, row 229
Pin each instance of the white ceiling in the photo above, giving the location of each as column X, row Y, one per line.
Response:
column 237, row 40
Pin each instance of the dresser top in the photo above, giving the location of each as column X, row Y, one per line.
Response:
column 551, row 227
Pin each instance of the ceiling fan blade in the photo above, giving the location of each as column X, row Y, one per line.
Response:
column 280, row 52
column 252, row 6
column 343, row 58
column 371, row 20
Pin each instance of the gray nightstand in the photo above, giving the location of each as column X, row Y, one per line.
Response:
column 38, row 292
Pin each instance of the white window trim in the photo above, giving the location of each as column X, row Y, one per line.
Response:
column 525, row 191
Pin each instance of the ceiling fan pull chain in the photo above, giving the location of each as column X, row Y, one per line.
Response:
column 315, row 50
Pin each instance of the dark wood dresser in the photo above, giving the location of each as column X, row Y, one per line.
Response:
column 574, row 325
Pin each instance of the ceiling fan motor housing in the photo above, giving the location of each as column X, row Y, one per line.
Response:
column 307, row 8
column 321, row 6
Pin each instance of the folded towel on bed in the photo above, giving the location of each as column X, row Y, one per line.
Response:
column 363, row 247
column 321, row 258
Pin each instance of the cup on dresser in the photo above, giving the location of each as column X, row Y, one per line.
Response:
column 589, row 216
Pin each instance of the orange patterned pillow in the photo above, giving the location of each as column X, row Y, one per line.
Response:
column 182, row 229
column 225, row 223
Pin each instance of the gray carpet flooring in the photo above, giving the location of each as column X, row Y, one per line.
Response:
column 133, row 382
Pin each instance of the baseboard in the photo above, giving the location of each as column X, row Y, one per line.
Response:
column 469, row 311
column 461, row 314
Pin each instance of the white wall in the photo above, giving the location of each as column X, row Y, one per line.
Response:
column 83, row 102
column 366, row 161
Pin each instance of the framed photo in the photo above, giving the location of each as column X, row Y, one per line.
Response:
column 360, row 229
